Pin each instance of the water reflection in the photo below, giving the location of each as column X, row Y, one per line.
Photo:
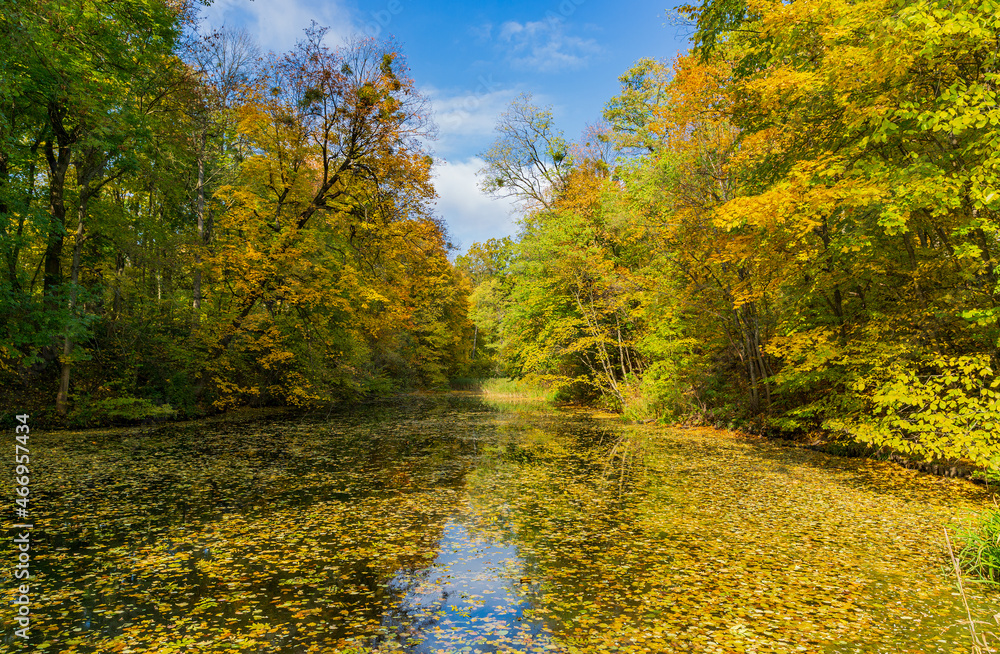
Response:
column 439, row 524
column 470, row 597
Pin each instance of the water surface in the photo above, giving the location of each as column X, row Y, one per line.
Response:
column 441, row 524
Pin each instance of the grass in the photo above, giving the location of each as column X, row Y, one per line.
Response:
column 980, row 555
column 505, row 389
column 465, row 383
column 980, row 644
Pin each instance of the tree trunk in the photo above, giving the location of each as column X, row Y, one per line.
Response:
column 62, row 397
column 201, row 223
column 86, row 172
column 5, row 211
column 58, row 156
column 58, row 159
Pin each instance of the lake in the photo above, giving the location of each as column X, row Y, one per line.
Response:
column 440, row 523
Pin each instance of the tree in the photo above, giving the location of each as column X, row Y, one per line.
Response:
column 90, row 74
column 325, row 129
column 336, row 179
column 529, row 160
column 225, row 62
column 632, row 114
column 873, row 134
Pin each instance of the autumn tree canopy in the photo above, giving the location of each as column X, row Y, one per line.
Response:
column 189, row 226
column 800, row 231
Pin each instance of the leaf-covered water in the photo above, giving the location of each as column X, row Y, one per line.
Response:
column 444, row 525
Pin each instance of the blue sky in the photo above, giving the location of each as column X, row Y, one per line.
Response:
column 472, row 58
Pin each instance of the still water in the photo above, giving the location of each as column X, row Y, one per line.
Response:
column 443, row 524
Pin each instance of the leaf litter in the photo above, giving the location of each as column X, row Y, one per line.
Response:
column 444, row 525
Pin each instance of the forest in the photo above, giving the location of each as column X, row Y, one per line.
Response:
column 776, row 248
column 190, row 225
column 793, row 228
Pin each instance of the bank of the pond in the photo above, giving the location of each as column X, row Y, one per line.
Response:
column 511, row 393
column 842, row 446
column 440, row 523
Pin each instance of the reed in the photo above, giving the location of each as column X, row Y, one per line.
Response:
column 980, row 644
column 516, row 391
column 980, row 554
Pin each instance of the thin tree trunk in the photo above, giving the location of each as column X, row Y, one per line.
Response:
column 58, row 156
column 601, row 350
column 119, row 271
column 201, row 223
column 4, row 210
column 62, row 397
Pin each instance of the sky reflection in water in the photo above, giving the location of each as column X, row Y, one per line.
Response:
column 470, row 596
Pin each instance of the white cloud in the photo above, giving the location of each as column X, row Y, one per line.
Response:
column 482, row 33
column 465, row 122
column 278, row 24
column 544, row 46
column 471, row 216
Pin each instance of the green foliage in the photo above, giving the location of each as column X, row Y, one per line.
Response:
column 980, row 553
column 936, row 408
column 130, row 409
column 632, row 113
column 785, row 243
column 150, row 260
